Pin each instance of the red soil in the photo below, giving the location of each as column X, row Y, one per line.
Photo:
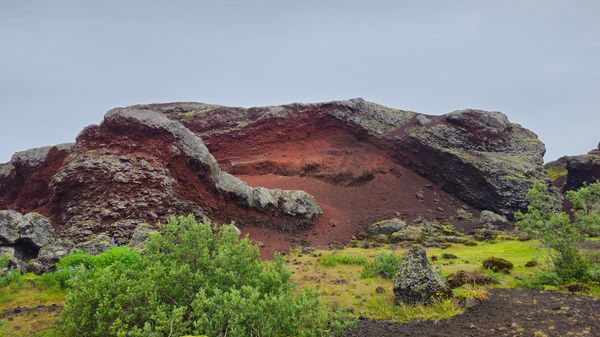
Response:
column 353, row 179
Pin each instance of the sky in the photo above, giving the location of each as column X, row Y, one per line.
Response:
column 63, row 64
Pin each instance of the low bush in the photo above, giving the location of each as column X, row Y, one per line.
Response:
column 191, row 281
column 546, row 278
column 334, row 259
column 80, row 263
column 557, row 230
column 4, row 260
column 593, row 273
column 384, row 265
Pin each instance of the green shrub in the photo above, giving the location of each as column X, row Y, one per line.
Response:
column 13, row 278
column 80, row 263
column 192, row 281
column 333, row 259
column 555, row 229
column 593, row 273
column 4, row 260
column 384, row 265
column 546, row 278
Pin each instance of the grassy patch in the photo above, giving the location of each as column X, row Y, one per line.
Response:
column 24, row 293
column 340, row 276
column 556, row 172
column 335, row 258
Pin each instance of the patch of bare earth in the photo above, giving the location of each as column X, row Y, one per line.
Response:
column 508, row 312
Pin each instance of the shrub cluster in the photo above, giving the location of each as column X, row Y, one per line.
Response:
column 558, row 231
column 190, row 280
column 384, row 265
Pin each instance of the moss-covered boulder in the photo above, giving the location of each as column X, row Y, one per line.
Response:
column 497, row 264
column 417, row 282
column 387, row 227
column 410, row 233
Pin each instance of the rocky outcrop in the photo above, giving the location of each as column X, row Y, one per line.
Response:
column 571, row 172
column 333, row 167
column 30, row 231
column 417, row 282
column 139, row 166
column 30, row 241
column 24, row 181
column 478, row 156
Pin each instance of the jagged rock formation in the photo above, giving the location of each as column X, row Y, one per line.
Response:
column 477, row 155
column 25, row 180
column 572, row 172
column 321, row 172
column 139, row 166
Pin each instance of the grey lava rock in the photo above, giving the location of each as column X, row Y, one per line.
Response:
column 96, row 245
column 490, row 218
column 32, row 228
column 417, row 282
column 141, row 234
column 387, row 227
column 48, row 256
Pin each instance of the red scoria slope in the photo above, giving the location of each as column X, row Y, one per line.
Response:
column 361, row 162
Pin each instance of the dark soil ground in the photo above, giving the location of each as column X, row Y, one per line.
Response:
column 507, row 312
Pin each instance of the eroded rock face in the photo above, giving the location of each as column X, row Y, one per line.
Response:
column 334, row 167
column 30, row 229
column 417, row 282
column 139, row 166
column 30, row 240
column 572, row 172
column 24, row 181
column 478, row 156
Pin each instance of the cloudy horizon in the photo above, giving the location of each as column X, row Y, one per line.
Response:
column 65, row 63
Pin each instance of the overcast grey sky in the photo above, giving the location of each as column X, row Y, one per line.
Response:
column 63, row 64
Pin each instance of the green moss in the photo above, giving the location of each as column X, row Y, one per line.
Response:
column 198, row 110
column 556, row 172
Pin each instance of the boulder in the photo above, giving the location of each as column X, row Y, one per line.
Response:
column 9, row 220
column 387, row 227
column 48, row 256
column 410, row 233
column 31, row 242
column 26, row 232
column 36, row 229
column 96, row 244
column 490, row 218
column 417, row 282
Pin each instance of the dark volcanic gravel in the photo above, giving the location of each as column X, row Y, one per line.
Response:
column 507, row 312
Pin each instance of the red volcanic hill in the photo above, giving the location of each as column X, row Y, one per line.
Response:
column 312, row 172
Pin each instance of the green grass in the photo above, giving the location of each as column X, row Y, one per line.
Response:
column 556, row 172
column 339, row 276
column 342, row 279
column 24, row 292
column 335, row 258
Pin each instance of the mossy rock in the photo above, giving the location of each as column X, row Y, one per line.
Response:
column 497, row 264
column 411, row 233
